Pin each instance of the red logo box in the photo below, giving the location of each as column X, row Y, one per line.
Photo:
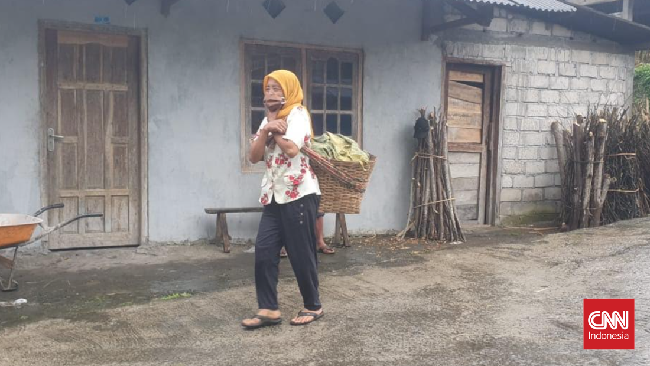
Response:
column 608, row 323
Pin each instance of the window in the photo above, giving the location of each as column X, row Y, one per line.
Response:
column 331, row 81
column 331, row 91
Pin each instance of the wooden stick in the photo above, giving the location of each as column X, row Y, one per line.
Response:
column 441, row 192
column 603, row 194
column 425, row 200
column 561, row 158
column 434, row 195
column 601, row 134
column 442, row 232
column 408, row 228
column 434, row 192
column 589, row 176
column 418, row 190
column 435, row 149
column 426, row 181
column 422, row 185
column 568, row 146
column 454, row 223
column 578, row 133
column 423, row 192
column 427, row 191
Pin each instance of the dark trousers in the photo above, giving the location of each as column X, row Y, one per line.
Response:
column 292, row 225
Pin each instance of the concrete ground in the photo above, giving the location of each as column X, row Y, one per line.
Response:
column 507, row 297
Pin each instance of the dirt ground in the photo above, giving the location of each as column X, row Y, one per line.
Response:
column 506, row 297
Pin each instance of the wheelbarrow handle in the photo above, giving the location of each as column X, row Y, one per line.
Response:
column 68, row 222
column 50, row 207
column 87, row 215
column 49, row 230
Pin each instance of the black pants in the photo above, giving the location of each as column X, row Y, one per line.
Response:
column 292, row 225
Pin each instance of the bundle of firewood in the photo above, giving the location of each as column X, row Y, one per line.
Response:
column 602, row 169
column 432, row 213
column 581, row 156
column 626, row 159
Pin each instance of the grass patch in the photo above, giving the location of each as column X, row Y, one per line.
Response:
column 176, row 295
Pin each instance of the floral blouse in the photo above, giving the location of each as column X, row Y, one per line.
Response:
column 288, row 179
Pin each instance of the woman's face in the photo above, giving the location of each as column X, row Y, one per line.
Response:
column 273, row 92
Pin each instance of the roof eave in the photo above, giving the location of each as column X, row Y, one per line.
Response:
column 627, row 33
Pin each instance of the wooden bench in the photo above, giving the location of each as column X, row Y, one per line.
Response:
column 340, row 232
column 222, row 224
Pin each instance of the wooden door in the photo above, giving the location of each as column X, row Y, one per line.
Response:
column 469, row 109
column 92, row 94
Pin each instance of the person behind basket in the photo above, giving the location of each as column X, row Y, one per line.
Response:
column 291, row 196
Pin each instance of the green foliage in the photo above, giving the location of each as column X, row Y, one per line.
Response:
column 176, row 295
column 641, row 83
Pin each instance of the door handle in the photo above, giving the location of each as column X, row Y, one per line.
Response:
column 51, row 137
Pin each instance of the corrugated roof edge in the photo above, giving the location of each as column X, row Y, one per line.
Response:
column 552, row 6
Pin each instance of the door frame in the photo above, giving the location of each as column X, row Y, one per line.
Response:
column 43, row 25
column 494, row 141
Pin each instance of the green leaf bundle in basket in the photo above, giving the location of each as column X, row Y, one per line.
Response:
column 343, row 172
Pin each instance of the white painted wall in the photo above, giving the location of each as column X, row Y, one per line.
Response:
column 194, row 96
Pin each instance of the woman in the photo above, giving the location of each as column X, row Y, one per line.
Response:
column 290, row 195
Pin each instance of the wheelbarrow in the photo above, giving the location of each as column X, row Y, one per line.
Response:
column 16, row 230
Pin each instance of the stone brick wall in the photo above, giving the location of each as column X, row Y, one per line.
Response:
column 551, row 74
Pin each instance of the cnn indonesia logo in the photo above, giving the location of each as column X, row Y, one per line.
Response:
column 608, row 323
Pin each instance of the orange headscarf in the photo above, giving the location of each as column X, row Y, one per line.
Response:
column 292, row 93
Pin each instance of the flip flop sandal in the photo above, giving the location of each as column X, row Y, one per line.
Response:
column 315, row 316
column 265, row 321
column 327, row 250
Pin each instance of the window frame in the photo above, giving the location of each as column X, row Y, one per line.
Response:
column 324, row 56
column 304, row 50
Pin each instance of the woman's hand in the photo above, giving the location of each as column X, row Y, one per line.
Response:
column 287, row 146
column 277, row 126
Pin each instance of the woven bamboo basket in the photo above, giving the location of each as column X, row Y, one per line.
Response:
column 342, row 183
